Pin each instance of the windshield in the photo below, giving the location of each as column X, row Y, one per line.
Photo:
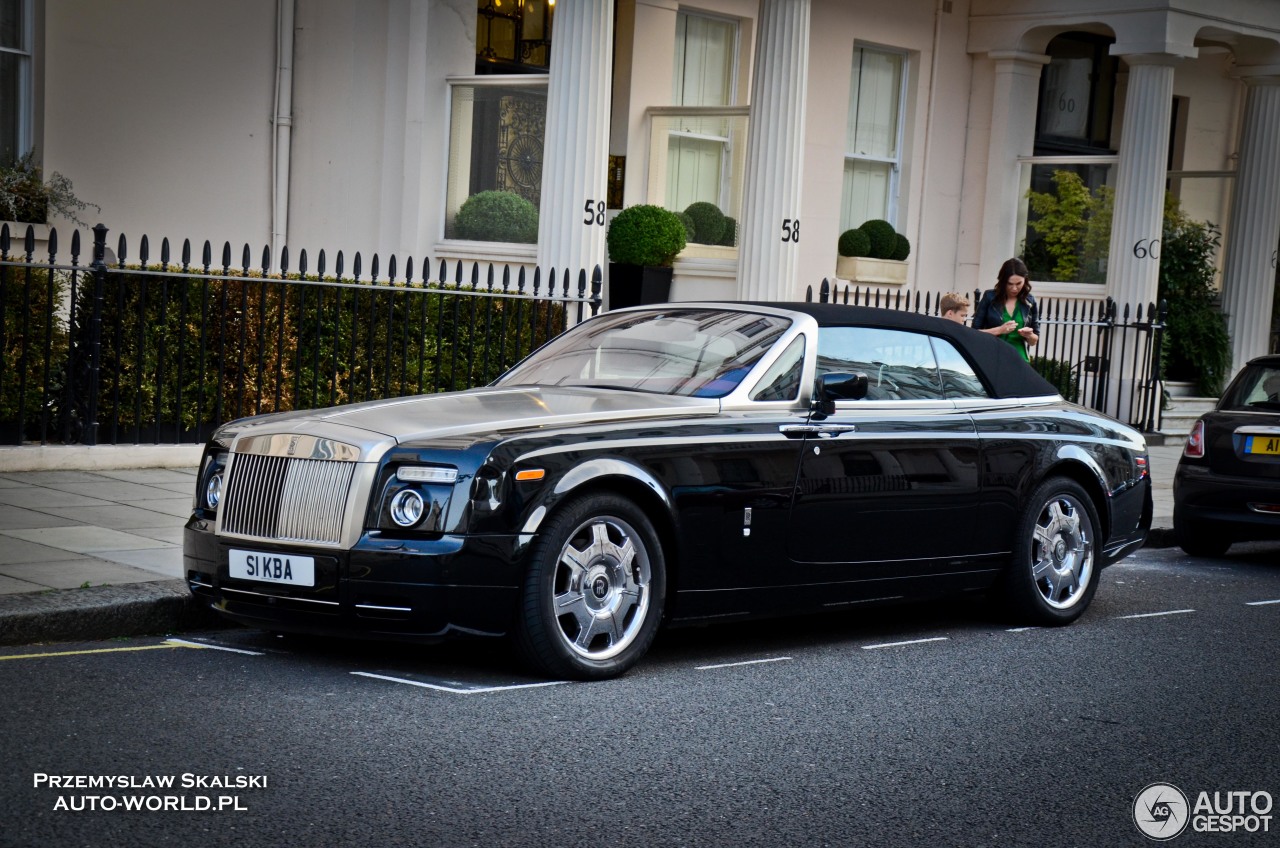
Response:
column 1257, row 388
column 689, row 352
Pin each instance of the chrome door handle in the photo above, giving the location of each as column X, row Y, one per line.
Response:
column 822, row 431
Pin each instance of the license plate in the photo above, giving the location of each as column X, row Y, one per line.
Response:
column 1262, row 444
column 272, row 567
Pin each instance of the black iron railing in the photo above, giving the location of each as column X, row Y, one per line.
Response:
column 139, row 351
column 1095, row 352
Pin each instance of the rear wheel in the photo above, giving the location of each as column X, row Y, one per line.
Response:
column 1199, row 538
column 1054, row 573
column 594, row 592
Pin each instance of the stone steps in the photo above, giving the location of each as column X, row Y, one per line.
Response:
column 1181, row 413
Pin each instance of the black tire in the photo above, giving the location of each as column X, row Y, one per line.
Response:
column 594, row 591
column 1054, row 571
column 1200, row 538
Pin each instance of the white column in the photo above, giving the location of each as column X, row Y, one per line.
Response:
column 769, row 247
column 575, row 157
column 1013, row 129
column 1133, row 266
column 1249, row 272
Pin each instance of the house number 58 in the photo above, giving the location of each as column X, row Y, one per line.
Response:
column 595, row 213
column 790, row 230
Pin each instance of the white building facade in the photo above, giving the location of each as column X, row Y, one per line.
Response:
column 365, row 126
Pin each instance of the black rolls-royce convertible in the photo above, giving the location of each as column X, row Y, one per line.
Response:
column 682, row 463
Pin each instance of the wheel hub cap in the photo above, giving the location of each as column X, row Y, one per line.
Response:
column 602, row 589
column 1062, row 554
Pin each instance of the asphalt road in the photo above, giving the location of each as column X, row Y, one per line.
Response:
column 928, row 725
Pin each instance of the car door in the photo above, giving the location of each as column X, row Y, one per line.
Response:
column 888, row 485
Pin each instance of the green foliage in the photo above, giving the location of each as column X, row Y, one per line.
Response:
column 497, row 216
column 708, row 222
column 27, row 197
column 901, row 248
column 689, row 228
column 645, row 235
column 1059, row 373
column 180, row 354
column 730, row 237
column 883, row 238
column 32, row 322
column 1196, row 346
column 854, row 242
column 1074, row 229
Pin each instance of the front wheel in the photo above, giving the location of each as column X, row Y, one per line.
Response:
column 594, row 592
column 1054, row 572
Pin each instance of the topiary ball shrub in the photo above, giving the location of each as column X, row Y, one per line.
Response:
column 901, row 247
column 708, row 222
column 883, row 238
column 497, row 216
column 854, row 243
column 689, row 229
column 645, row 235
column 730, row 237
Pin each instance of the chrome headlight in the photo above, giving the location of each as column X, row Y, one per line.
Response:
column 407, row 507
column 213, row 489
column 427, row 474
column 209, row 486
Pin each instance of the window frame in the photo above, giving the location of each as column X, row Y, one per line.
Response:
column 725, row 189
column 894, row 163
column 26, row 78
column 452, row 182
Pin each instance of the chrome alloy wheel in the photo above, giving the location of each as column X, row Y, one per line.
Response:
column 602, row 588
column 1062, row 552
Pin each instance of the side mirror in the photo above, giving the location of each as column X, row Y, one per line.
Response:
column 838, row 385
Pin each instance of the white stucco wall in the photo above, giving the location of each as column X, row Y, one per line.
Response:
column 159, row 111
column 933, row 140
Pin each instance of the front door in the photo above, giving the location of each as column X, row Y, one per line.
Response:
column 887, row 486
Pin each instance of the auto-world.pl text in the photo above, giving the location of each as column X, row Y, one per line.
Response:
column 152, row 801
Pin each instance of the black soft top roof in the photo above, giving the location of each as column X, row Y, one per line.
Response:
column 1006, row 374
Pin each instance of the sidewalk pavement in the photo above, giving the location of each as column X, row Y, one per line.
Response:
column 98, row 554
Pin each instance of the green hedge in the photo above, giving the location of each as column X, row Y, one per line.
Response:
column 180, row 353
column 31, row 383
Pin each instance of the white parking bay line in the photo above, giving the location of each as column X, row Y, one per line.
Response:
column 1261, row 603
column 1157, row 614
column 458, row 690
column 747, row 662
column 900, row 644
column 187, row 644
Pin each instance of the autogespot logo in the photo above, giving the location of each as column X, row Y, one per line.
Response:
column 1160, row 811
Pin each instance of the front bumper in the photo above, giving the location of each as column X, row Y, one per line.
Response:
column 420, row 590
column 1204, row 497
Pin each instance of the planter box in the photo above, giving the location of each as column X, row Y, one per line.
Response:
column 638, row 285
column 863, row 269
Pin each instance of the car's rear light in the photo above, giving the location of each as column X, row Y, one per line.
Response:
column 1144, row 467
column 1195, row 442
column 1274, row 509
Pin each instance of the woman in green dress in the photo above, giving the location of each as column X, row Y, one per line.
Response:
column 1009, row 311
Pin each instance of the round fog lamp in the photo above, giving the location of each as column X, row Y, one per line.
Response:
column 213, row 490
column 406, row 508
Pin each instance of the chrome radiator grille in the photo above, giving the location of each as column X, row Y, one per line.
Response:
column 286, row 498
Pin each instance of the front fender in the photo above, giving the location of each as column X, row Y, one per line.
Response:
column 592, row 470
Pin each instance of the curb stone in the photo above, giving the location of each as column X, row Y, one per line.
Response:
column 102, row 612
